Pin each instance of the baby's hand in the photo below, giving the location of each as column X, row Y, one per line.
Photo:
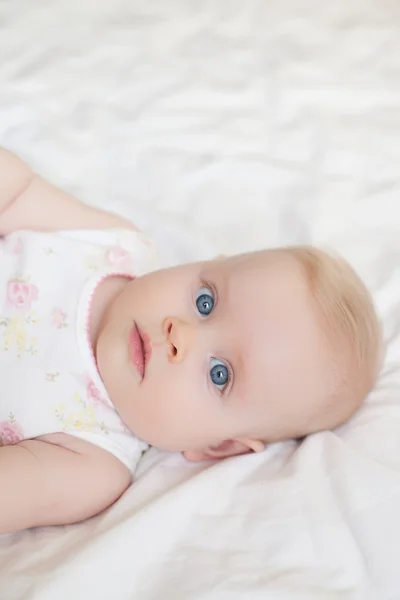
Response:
column 29, row 202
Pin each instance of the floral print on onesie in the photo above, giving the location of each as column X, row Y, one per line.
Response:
column 49, row 376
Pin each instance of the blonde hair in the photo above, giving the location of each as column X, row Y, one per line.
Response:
column 349, row 318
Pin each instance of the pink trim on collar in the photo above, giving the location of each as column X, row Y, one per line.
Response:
column 90, row 306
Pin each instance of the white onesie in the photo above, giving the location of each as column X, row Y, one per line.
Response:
column 49, row 379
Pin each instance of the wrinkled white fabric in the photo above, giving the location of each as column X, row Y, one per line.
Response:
column 221, row 126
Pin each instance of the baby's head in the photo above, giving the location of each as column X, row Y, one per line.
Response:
column 241, row 351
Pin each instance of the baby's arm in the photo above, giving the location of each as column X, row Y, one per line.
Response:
column 29, row 202
column 47, row 484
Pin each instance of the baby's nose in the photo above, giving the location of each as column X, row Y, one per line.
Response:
column 178, row 336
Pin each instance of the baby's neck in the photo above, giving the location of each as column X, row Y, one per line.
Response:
column 104, row 296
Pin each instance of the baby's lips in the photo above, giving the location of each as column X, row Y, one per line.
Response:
column 146, row 345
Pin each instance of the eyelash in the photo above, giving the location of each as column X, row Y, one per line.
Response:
column 211, row 286
column 230, row 378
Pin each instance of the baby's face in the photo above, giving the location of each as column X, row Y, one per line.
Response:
column 235, row 351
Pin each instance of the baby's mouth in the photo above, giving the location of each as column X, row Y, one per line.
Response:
column 140, row 349
column 137, row 350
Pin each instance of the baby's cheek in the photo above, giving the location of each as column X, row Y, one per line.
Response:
column 169, row 393
column 172, row 406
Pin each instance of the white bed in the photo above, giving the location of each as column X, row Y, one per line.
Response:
column 225, row 125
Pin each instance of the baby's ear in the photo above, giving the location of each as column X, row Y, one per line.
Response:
column 225, row 449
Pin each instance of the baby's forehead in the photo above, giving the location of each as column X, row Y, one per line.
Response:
column 259, row 268
column 264, row 293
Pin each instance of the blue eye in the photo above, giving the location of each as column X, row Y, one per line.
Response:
column 219, row 373
column 205, row 301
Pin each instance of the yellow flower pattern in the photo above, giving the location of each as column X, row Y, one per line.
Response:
column 80, row 416
column 16, row 334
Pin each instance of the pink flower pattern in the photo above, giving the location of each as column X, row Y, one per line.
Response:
column 93, row 393
column 21, row 294
column 10, row 432
column 59, row 318
column 117, row 256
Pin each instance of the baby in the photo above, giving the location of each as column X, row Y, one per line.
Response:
column 101, row 354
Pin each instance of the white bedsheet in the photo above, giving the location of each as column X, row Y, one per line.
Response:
column 225, row 125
